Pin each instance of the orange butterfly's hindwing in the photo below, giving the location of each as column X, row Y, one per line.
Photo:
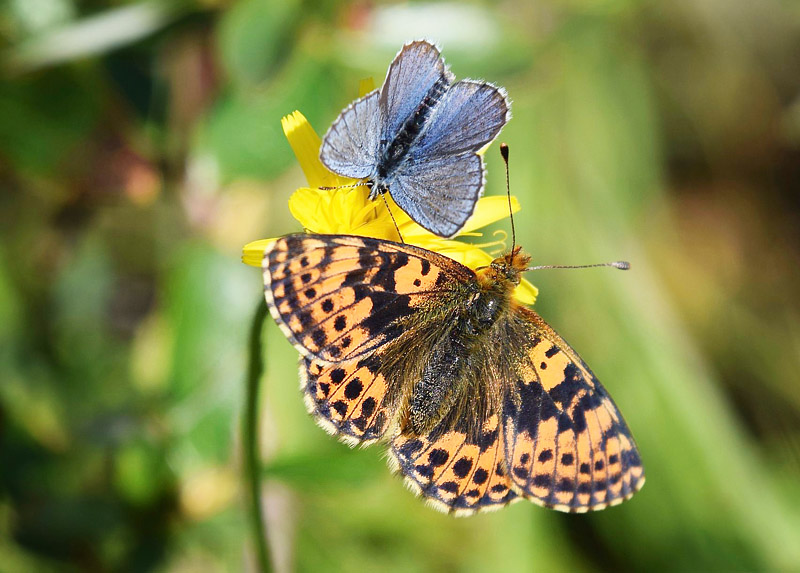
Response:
column 456, row 467
column 352, row 400
column 482, row 403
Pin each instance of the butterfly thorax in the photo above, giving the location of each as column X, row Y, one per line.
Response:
column 441, row 386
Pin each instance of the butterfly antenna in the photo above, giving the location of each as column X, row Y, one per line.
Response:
column 504, row 153
column 621, row 265
column 351, row 186
column 385, row 202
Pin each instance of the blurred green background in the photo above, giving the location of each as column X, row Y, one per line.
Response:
column 140, row 148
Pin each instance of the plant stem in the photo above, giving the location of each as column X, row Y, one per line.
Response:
column 250, row 441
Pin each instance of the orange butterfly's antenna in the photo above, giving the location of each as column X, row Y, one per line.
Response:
column 621, row 265
column 504, row 153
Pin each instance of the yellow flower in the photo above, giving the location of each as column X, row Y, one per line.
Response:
column 348, row 210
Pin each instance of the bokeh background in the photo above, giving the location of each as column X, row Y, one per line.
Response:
column 140, row 148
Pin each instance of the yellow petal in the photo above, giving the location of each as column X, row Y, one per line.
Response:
column 489, row 210
column 305, row 143
column 526, row 293
column 253, row 253
column 330, row 210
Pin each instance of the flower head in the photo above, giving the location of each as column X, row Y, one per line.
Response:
column 347, row 209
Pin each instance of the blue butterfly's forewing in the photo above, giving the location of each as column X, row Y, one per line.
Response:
column 411, row 77
column 468, row 117
column 442, row 181
column 351, row 146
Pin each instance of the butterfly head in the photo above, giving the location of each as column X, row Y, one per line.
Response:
column 507, row 269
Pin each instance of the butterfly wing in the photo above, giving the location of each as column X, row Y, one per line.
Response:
column 442, row 180
column 338, row 297
column 456, row 468
column 353, row 143
column 440, row 194
column 350, row 147
column 469, row 116
column 352, row 400
column 412, row 75
column 566, row 444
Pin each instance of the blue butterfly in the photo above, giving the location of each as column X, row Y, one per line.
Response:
column 418, row 137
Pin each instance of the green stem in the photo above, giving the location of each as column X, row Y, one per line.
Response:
column 250, row 441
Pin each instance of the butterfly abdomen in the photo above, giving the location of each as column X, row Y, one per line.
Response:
column 398, row 148
column 435, row 392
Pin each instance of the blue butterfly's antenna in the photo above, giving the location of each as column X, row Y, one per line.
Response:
column 351, row 186
column 504, row 153
column 396, row 228
column 385, row 202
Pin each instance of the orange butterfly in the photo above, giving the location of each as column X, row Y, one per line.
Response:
column 482, row 403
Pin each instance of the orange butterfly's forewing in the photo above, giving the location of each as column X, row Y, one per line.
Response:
column 337, row 297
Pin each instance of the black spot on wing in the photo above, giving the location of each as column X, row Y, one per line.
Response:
column 449, row 486
column 353, row 389
column 543, row 480
column 566, row 390
column 552, row 351
column 462, row 467
column 337, row 375
column 480, row 476
column 423, row 470
column 438, row 457
column 566, row 484
column 368, row 407
column 319, row 337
